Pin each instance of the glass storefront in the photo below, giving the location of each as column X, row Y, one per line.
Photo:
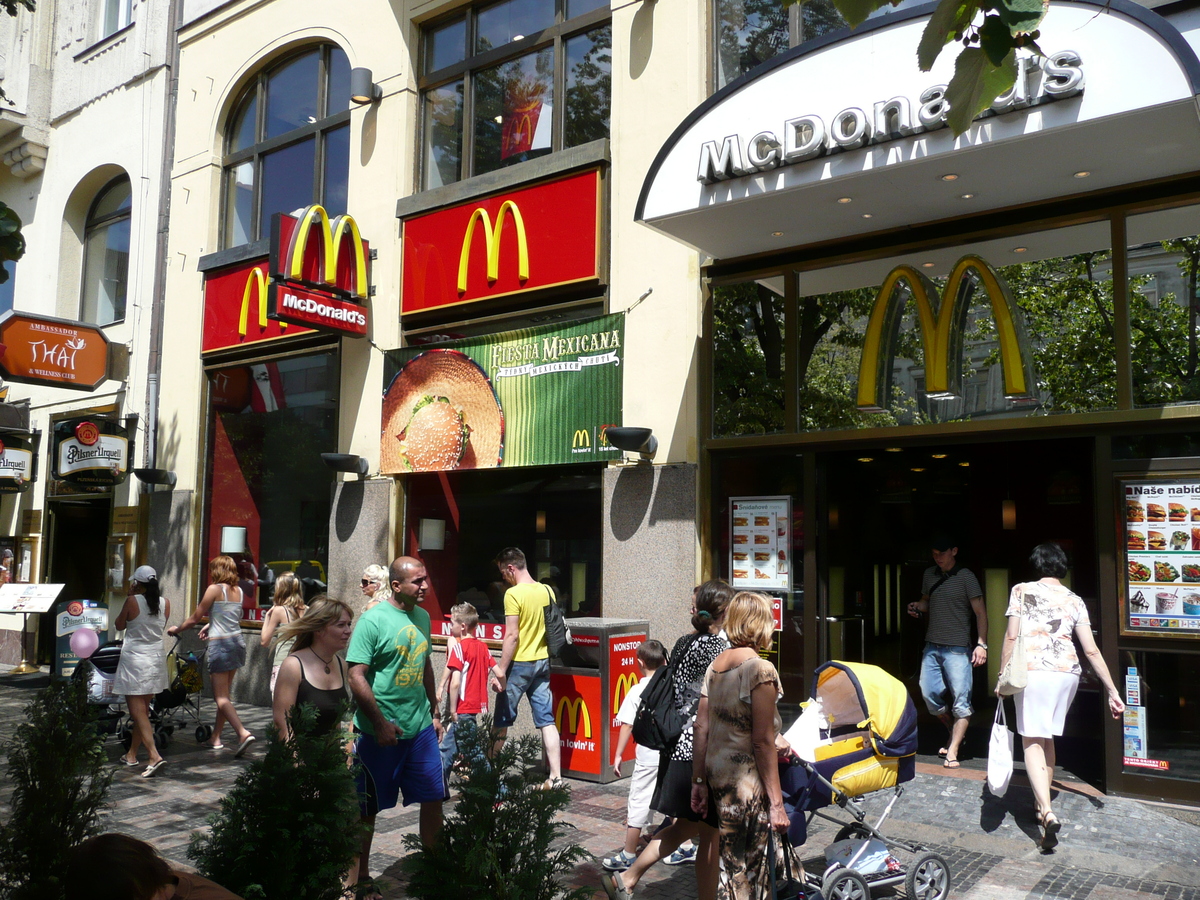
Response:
column 269, row 491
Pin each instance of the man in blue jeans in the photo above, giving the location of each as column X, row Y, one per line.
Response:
column 949, row 595
column 525, row 650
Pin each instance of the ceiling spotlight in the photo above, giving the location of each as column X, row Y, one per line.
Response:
column 918, row 468
column 938, row 455
column 949, row 176
column 866, row 215
column 776, row 234
column 927, row 265
column 966, row 196
column 518, row 37
column 1083, row 174
column 866, row 459
column 893, row 449
column 843, row 199
column 1020, row 249
column 964, row 464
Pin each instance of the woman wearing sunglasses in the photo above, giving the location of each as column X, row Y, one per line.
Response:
column 374, row 580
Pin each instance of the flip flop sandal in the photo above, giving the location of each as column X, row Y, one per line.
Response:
column 129, row 763
column 1051, row 824
column 942, row 752
column 246, row 742
column 950, row 764
column 153, row 768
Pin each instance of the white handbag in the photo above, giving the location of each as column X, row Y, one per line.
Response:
column 1000, row 754
column 1015, row 674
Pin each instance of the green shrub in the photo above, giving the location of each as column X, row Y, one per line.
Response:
column 286, row 830
column 502, row 840
column 60, row 778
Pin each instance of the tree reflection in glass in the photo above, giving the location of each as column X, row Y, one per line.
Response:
column 443, row 134
column 589, row 97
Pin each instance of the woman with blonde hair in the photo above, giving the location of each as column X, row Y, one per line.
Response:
column 286, row 606
column 736, row 763
column 374, row 581
column 222, row 604
column 314, row 672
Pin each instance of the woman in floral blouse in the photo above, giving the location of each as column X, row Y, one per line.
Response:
column 1046, row 614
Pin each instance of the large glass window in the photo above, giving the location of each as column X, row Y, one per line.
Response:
column 748, row 351
column 268, row 503
column 115, row 15
column 106, row 255
column 749, row 32
column 288, row 143
column 512, row 81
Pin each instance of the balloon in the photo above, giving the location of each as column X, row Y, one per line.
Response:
column 84, row 642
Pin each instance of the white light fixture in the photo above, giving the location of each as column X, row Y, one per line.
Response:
column 949, row 176
column 1020, row 249
column 776, row 234
column 938, row 455
column 1082, row 174
column 431, row 534
column 866, row 215
column 233, row 539
column 865, row 459
column 518, row 37
column 843, row 199
column 927, row 265
column 966, row 196
column 363, row 89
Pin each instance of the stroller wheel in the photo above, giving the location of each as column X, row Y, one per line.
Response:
column 161, row 739
column 928, row 878
column 854, row 830
column 203, row 733
column 845, row 884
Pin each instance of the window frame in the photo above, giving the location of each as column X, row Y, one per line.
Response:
column 255, row 152
column 92, row 224
column 124, row 17
column 555, row 35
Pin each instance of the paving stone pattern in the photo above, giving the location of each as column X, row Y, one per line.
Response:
column 1112, row 848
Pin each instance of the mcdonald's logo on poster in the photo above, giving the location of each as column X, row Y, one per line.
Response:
column 622, row 684
column 319, row 272
column 541, row 236
column 581, row 440
column 941, row 318
column 572, row 717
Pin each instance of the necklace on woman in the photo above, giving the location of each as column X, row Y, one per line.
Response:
column 326, row 661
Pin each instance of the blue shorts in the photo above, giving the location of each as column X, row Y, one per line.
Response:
column 413, row 768
column 947, row 680
column 532, row 678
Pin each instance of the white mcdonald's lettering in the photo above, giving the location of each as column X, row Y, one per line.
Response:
column 333, row 235
column 323, row 310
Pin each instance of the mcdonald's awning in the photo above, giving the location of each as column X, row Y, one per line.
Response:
column 844, row 135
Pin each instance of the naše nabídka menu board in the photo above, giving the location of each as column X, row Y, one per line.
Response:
column 761, row 543
column 1162, row 545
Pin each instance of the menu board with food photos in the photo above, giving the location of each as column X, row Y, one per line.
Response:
column 760, row 544
column 1162, row 557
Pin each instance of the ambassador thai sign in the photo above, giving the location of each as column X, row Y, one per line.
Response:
column 91, row 451
column 58, row 352
column 536, row 396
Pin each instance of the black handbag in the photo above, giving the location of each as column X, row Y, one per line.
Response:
column 789, row 887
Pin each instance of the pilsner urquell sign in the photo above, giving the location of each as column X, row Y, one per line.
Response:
column 536, row 396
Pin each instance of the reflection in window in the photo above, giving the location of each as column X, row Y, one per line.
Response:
column 270, row 424
column 517, row 115
column 8, row 287
column 106, row 255
column 288, row 143
column 748, row 336
column 750, row 32
column 116, row 15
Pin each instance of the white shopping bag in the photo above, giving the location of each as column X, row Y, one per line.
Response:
column 805, row 734
column 1000, row 754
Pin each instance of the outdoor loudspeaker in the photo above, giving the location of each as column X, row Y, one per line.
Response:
column 634, row 440
column 155, row 476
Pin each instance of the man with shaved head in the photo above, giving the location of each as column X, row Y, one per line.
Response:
column 398, row 723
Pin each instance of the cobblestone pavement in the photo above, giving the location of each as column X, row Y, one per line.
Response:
column 1112, row 848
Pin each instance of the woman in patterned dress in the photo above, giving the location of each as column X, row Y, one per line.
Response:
column 672, row 792
column 1047, row 613
column 737, row 752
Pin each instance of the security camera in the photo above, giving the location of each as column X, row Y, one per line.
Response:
column 633, row 440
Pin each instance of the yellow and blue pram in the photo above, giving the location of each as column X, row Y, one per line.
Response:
column 871, row 732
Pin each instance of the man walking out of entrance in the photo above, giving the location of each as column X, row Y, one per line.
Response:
column 525, row 649
column 398, row 722
column 949, row 595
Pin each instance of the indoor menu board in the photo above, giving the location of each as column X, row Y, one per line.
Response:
column 1162, row 556
column 760, row 543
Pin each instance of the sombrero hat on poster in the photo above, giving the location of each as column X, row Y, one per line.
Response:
column 439, row 413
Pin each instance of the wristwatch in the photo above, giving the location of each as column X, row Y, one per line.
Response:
column 696, row 780
column 981, row 644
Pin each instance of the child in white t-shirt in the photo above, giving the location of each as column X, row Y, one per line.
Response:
column 651, row 656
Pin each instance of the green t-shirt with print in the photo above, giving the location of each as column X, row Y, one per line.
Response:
column 394, row 645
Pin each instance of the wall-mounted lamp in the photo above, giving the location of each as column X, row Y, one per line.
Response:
column 1008, row 514
column 155, row 476
column 633, row 440
column 833, row 518
column 233, row 539
column 431, row 534
column 362, row 89
column 346, row 462
column 540, row 523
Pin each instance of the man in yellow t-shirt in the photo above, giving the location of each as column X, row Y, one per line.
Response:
column 524, row 666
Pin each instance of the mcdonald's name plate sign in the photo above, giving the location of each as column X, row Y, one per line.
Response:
column 532, row 397
column 542, row 236
column 235, row 309
column 59, row 352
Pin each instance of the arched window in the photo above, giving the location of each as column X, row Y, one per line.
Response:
column 288, row 143
column 106, row 255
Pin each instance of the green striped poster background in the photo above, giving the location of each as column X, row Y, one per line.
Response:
column 547, row 415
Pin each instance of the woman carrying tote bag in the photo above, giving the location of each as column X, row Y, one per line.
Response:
column 1043, row 614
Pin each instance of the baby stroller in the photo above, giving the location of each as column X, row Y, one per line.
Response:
column 869, row 744
column 179, row 705
column 98, row 673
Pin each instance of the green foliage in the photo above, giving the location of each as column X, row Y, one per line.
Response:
column 289, row 828
column 60, row 778
column 748, row 363
column 12, row 242
column 501, row 841
column 976, row 83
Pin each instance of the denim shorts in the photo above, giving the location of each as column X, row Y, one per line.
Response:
column 412, row 769
column 226, row 654
column 532, row 678
column 947, row 680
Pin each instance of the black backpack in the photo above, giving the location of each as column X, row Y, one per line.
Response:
column 658, row 722
column 558, row 636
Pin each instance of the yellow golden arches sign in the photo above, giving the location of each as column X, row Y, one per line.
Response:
column 491, row 242
column 333, row 236
column 621, row 689
column 942, row 320
column 575, row 710
column 255, row 292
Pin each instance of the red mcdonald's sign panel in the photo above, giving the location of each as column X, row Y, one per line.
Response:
column 541, row 236
column 235, row 309
column 580, row 714
column 623, row 674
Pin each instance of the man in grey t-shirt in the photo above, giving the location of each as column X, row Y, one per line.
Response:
column 950, row 594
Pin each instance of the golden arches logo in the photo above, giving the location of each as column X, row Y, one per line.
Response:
column 256, row 291
column 492, row 238
column 942, row 319
column 581, row 438
column 575, row 710
column 333, row 236
column 622, row 688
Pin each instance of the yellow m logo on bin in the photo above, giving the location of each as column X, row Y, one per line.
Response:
column 491, row 242
column 942, row 320
column 333, row 237
column 255, row 292
column 621, row 689
column 575, row 710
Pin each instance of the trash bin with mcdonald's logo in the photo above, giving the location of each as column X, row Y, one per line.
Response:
column 588, row 685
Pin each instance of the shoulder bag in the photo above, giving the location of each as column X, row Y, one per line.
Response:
column 1015, row 674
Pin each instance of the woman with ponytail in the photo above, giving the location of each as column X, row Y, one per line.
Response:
column 142, row 671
